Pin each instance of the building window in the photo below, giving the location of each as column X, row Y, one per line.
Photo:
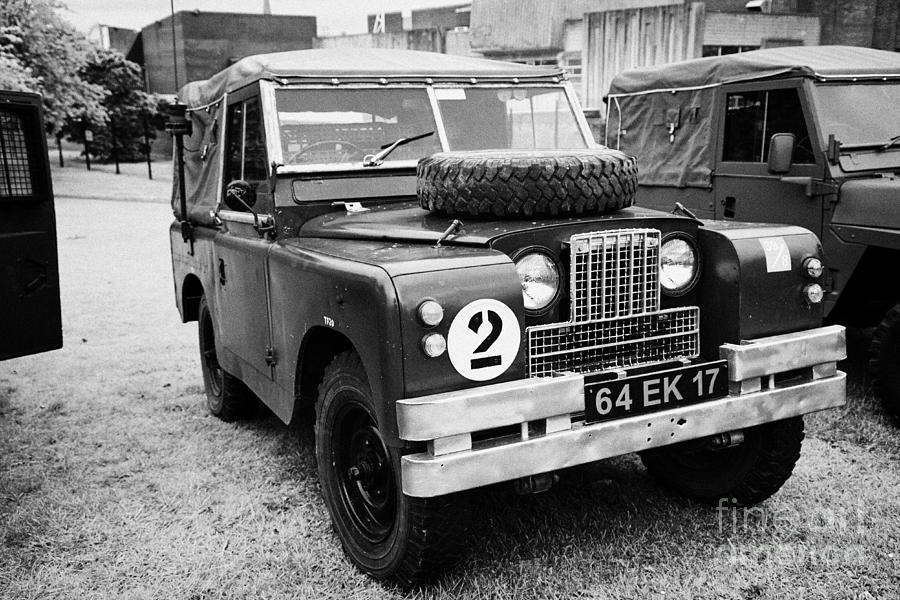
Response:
column 723, row 50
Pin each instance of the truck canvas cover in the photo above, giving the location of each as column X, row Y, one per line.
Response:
column 678, row 98
column 329, row 66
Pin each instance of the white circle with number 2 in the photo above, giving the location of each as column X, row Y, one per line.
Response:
column 483, row 340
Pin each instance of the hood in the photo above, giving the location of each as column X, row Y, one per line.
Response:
column 407, row 222
column 869, row 203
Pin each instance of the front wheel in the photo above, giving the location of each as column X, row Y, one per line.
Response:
column 742, row 475
column 226, row 396
column 384, row 532
column 884, row 361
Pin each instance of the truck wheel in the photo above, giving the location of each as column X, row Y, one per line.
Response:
column 384, row 532
column 743, row 475
column 884, row 361
column 525, row 184
column 226, row 396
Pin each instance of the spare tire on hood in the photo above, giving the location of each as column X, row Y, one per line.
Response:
column 525, row 184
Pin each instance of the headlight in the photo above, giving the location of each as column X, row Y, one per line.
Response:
column 679, row 265
column 540, row 279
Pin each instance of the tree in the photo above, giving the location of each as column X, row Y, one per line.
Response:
column 128, row 107
column 41, row 52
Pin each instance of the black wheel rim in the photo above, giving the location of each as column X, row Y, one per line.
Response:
column 364, row 473
column 209, row 358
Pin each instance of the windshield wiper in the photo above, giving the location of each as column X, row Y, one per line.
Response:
column 889, row 143
column 373, row 160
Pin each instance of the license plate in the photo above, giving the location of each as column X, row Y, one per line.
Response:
column 607, row 399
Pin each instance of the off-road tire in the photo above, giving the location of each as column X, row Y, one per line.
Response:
column 408, row 541
column 884, row 361
column 742, row 475
column 525, row 184
column 226, row 396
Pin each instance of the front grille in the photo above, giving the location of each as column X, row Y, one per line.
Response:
column 616, row 343
column 615, row 306
column 614, row 274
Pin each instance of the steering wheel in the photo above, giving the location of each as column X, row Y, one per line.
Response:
column 338, row 146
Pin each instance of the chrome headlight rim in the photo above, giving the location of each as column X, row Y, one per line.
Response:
column 698, row 264
column 522, row 253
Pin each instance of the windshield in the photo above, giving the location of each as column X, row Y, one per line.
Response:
column 342, row 126
column 859, row 113
column 510, row 117
column 328, row 126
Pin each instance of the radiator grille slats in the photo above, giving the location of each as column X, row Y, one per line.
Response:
column 614, row 274
column 616, row 319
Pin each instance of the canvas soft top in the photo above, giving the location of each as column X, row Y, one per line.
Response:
column 821, row 62
column 664, row 114
column 343, row 64
column 206, row 109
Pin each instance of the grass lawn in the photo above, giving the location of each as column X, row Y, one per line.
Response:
column 114, row 482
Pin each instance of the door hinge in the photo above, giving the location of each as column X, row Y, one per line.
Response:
column 270, row 356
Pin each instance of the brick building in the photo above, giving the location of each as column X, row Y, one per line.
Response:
column 207, row 42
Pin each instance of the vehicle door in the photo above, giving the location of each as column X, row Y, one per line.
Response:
column 241, row 251
column 745, row 189
column 29, row 274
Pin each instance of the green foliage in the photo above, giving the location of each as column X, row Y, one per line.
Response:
column 14, row 75
column 41, row 52
column 128, row 107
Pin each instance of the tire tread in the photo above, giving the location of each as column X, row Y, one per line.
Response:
column 511, row 184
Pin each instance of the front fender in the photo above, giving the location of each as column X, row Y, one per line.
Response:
column 454, row 288
column 752, row 282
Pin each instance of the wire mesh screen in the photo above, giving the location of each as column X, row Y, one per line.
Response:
column 616, row 317
column 617, row 343
column 16, row 179
column 614, row 274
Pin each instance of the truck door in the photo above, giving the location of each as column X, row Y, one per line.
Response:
column 29, row 275
column 745, row 190
column 241, row 254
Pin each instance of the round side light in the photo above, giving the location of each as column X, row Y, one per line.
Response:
column 431, row 313
column 814, row 293
column 434, row 345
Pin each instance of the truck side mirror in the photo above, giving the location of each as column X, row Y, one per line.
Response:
column 240, row 196
column 781, row 152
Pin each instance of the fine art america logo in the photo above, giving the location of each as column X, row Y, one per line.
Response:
column 796, row 534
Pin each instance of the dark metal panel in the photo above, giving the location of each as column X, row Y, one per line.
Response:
column 310, row 290
column 29, row 270
column 739, row 298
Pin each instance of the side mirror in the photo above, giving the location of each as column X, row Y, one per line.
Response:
column 240, row 196
column 781, row 152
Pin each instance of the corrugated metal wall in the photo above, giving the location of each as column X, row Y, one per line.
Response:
column 517, row 25
column 618, row 40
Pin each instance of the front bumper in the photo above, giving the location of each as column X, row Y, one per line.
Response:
column 552, row 434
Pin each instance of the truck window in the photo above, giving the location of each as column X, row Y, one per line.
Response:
column 753, row 117
column 15, row 166
column 245, row 147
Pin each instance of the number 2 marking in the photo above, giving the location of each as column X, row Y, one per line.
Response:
column 496, row 323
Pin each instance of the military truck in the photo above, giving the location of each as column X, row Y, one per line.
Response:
column 807, row 136
column 29, row 277
column 428, row 257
